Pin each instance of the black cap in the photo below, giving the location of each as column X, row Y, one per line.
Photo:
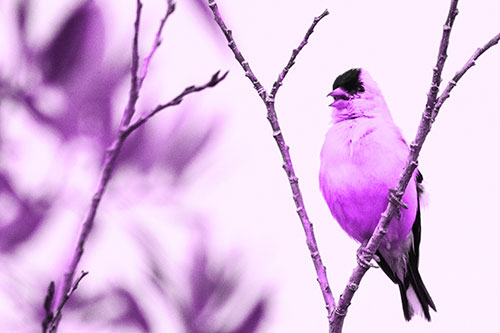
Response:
column 349, row 81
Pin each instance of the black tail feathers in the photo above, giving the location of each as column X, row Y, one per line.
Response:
column 414, row 280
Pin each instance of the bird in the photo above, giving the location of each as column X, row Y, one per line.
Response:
column 362, row 157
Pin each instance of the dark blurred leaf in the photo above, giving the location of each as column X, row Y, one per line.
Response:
column 133, row 315
column 47, row 305
column 208, row 284
column 30, row 215
column 89, row 108
column 76, row 47
column 253, row 319
column 21, row 13
column 135, row 150
column 211, row 288
column 178, row 148
column 201, row 281
column 24, row 226
column 91, row 105
column 156, row 262
column 73, row 61
column 185, row 142
column 102, row 308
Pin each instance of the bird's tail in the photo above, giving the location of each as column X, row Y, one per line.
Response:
column 414, row 296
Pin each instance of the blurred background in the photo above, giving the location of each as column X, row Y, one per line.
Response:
column 197, row 231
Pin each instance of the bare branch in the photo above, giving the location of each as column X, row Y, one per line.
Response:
column 157, row 41
column 113, row 151
column 175, row 101
column 442, row 56
column 110, row 159
column 134, row 87
column 295, row 52
column 57, row 315
column 47, row 306
column 239, row 57
column 458, row 75
column 411, row 164
column 109, row 163
column 268, row 99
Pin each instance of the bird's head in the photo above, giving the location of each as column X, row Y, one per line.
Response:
column 356, row 94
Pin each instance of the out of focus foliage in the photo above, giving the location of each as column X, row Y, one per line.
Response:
column 65, row 91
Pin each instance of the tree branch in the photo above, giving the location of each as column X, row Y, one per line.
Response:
column 458, row 75
column 134, row 86
column 268, row 99
column 113, row 151
column 57, row 315
column 237, row 54
column 432, row 107
column 175, row 101
column 157, row 41
column 295, row 52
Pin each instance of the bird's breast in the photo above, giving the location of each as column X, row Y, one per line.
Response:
column 359, row 163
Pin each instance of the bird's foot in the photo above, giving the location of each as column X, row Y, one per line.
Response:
column 364, row 256
column 393, row 197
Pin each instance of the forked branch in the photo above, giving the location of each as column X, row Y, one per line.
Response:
column 268, row 99
column 112, row 152
column 431, row 109
column 336, row 314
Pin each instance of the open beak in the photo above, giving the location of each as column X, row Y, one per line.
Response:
column 338, row 94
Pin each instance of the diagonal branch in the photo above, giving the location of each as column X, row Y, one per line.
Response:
column 111, row 155
column 134, row 85
column 458, row 75
column 175, row 101
column 268, row 99
column 57, row 315
column 442, row 56
column 428, row 116
column 411, row 164
column 157, row 42
column 237, row 54
column 295, row 52
column 113, row 151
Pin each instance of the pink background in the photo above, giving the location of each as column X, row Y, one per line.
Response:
column 235, row 194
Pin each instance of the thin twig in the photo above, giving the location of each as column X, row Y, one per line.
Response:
column 268, row 99
column 239, row 57
column 111, row 155
column 411, row 164
column 295, row 52
column 57, row 315
column 134, row 85
column 458, row 75
column 47, row 306
column 157, row 41
column 113, row 151
column 109, row 163
column 175, row 101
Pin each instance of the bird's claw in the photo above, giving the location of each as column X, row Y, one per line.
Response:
column 364, row 257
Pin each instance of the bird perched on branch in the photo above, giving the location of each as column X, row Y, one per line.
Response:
column 362, row 158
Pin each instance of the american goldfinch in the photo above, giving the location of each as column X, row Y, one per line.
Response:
column 362, row 157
